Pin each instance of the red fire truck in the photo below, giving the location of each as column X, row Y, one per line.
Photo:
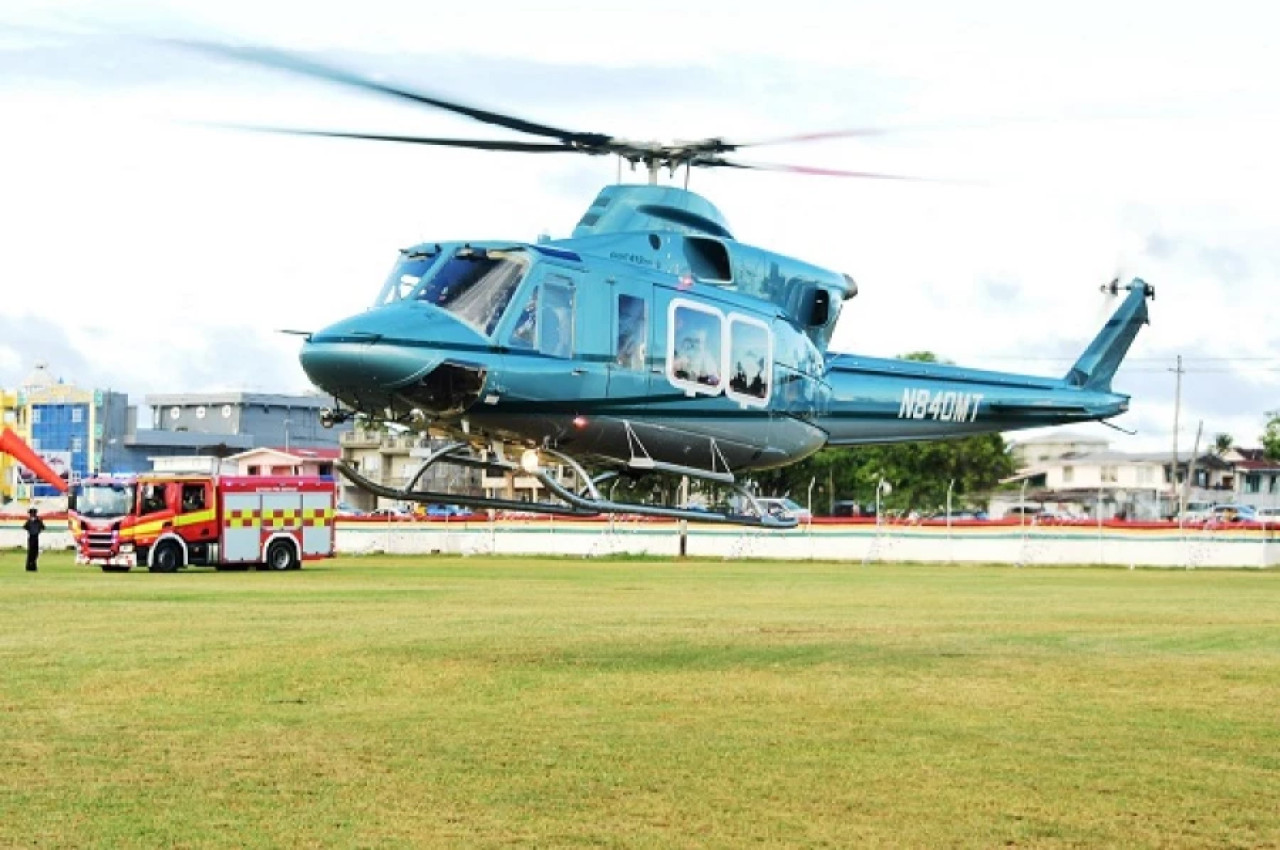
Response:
column 168, row 521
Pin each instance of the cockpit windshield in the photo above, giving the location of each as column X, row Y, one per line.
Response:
column 475, row 285
column 407, row 274
column 105, row 500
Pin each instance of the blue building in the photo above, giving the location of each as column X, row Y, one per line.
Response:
column 77, row 431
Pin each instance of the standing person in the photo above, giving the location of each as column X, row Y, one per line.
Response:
column 33, row 526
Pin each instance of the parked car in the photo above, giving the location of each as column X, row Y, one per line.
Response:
column 447, row 511
column 786, row 508
column 391, row 513
column 850, row 508
column 1234, row 513
column 973, row 516
column 344, row 509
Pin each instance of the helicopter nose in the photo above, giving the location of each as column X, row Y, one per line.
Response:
column 365, row 359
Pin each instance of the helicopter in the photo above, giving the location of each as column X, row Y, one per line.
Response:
column 650, row 342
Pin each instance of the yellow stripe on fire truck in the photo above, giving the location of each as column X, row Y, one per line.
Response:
column 158, row 525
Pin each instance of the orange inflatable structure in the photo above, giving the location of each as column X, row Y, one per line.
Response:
column 11, row 444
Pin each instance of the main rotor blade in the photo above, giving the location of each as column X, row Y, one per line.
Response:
column 289, row 62
column 816, row 171
column 814, row 137
column 477, row 144
column 892, row 130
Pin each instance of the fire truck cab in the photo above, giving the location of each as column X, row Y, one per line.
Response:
column 170, row 521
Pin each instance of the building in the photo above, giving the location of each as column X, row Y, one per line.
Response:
column 1256, row 479
column 392, row 460
column 8, row 466
column 278, row 461
column 224, row 424
column 1084, row 477
column 1035, row 451
column 75, row 430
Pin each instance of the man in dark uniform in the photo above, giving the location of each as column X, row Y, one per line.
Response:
column 33, row 526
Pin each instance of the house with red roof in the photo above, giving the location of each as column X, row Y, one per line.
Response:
column 282, row 461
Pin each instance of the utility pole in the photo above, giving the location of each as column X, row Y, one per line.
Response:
column 1177, row 409
column 1191, row 469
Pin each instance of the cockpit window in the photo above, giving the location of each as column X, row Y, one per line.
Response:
column 475, row 285
column 406, row 275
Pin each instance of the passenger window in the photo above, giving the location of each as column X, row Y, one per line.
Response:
column 633, row 332
column 525, row 332
column 695, row 348
column 750, row 360
column 193, row 497
column 556, row 319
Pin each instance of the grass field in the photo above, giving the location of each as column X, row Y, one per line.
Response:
column 389, row 702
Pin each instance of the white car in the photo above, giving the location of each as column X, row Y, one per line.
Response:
column 785, row 508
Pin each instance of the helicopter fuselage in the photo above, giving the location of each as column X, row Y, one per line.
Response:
column 663, row 345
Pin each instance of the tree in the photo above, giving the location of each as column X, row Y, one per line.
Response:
column 1271, row 437
column 1222, row 443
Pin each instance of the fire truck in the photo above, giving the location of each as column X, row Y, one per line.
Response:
column 169, row 521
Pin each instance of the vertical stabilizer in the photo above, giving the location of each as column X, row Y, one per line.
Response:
column 1098, row 364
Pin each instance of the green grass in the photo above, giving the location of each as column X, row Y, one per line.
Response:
column 389, row 702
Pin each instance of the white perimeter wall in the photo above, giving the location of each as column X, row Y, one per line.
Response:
column 861, row 543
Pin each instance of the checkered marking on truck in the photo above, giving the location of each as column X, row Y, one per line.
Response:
column 279, row 519
column 252, row 520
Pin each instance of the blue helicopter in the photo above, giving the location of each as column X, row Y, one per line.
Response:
column 649, row 342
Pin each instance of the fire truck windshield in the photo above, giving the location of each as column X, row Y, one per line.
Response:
column 105, row 499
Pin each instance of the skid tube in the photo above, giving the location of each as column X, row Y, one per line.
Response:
column 580, row 505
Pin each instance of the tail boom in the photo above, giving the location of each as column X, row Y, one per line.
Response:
column 881, row 401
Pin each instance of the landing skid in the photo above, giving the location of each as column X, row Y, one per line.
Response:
column 586, row 503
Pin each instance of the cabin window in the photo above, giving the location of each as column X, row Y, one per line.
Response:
column 695, row 351
column 525, row 332
column 193, row 497
column 750, row 360
column 633, row 332
column 475, row 285
column 555, row 318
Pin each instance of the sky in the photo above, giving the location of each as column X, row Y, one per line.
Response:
column 146, row 247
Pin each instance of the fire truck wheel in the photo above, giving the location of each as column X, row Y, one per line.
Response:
column 280, row 556
column 167, row 558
